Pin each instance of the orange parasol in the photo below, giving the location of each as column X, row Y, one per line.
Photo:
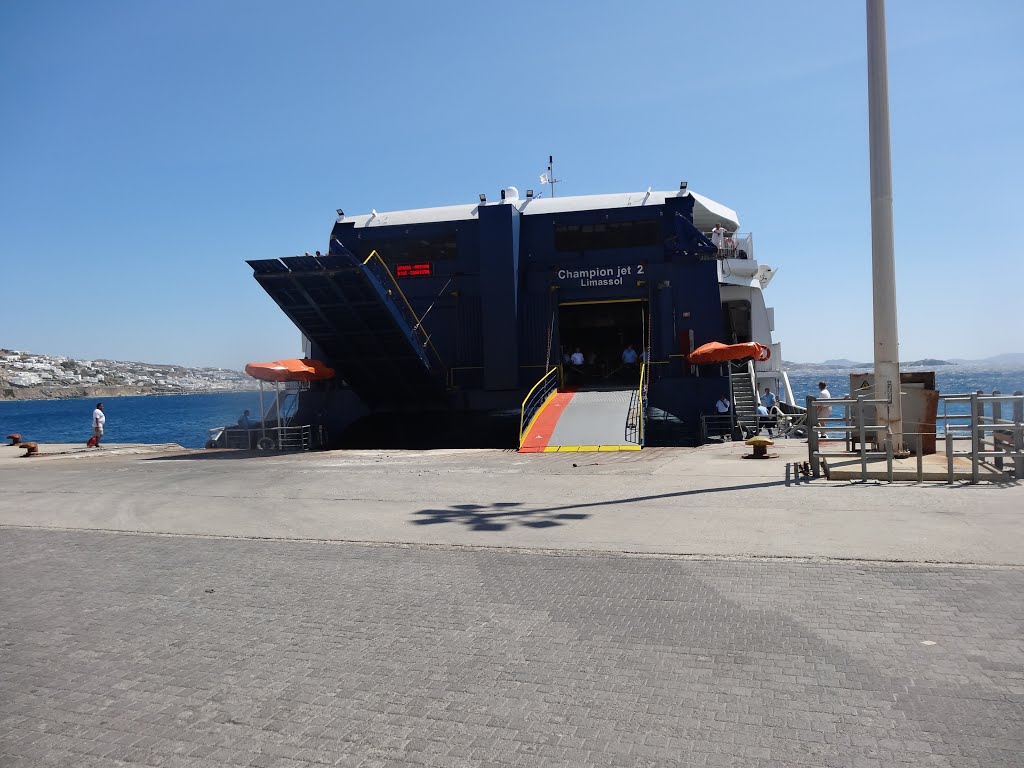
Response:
column 716, row 352
column 290, row 370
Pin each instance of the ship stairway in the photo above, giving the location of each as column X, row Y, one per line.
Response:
column 568, row 420
column 744, row 394
column 356, row 313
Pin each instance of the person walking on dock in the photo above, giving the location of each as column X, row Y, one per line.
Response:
column 98, row 420
column 824, row 411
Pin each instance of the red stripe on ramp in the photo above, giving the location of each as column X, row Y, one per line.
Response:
column 544, row 425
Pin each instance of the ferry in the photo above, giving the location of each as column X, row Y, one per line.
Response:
column 544, row 323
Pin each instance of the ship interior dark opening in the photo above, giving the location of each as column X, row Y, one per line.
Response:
column 736, row 322
column 601, row 332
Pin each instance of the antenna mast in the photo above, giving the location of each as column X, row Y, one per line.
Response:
column 549, row 177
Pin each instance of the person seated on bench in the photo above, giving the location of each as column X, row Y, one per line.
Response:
column 245, row 422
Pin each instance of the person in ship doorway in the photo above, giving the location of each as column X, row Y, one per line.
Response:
column 824, row 411
column 98, row 420
column 629, row 356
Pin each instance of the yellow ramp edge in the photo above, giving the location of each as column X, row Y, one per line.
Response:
column 590, row 448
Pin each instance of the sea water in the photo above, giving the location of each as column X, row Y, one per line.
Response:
column 949, row 380
column 186, row 419
column 181, row 419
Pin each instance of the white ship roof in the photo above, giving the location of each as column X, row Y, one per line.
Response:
column 706, row 212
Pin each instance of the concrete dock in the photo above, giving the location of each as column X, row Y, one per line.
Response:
column 664, row 607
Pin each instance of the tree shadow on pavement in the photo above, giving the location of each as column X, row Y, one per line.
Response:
column 499, row 515
column 494, row 517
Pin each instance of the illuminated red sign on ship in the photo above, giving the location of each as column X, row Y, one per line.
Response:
column 414, row 270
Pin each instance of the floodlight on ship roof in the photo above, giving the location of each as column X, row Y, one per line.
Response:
column 682, row 186
column 483, row 198
column 341, row 212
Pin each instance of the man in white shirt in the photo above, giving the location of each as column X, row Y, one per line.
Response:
column 576, row 358
column 98, row 420
column 718, row 236
column 824, row 411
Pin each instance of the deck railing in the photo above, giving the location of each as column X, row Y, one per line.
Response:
column 735, row 245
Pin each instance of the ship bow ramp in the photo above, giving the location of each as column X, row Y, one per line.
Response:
column 356, row 313
column 584, row 421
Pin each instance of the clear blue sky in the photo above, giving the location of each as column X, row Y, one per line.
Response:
column 147, row 149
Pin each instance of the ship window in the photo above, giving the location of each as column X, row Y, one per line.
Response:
column 412, row 249
column 607, row 235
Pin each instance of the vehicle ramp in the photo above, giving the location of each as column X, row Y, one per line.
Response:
column 356, row 313
column 604, row 420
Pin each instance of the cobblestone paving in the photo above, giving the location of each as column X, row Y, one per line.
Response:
column 182, row 651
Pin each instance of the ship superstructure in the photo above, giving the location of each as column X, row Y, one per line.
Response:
column 461, row 310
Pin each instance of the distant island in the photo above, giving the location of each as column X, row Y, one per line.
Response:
column 30, row 376
column 1014, row 360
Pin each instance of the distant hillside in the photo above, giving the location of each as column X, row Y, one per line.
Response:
column 841, row 363
column 30, row 376
column 1006, row 360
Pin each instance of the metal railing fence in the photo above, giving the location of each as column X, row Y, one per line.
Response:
column 990, row 436
column 717, row 425
column 991, row 441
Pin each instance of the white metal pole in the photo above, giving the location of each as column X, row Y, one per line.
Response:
column 263, row 423
column 277, row 393
column 883, row 262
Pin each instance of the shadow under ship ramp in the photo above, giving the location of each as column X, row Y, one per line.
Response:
column 355, row 312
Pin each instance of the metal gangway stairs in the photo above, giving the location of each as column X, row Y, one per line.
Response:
column 742, row 381
column 555, row 420
column 356, row 313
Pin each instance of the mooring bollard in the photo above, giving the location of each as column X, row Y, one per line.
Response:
column 15, row 438
column 31, row 449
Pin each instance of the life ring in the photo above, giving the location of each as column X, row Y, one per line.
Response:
column 211, row 444
column 764, row 354
column 265, row 444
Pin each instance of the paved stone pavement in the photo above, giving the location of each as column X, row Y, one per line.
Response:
column 121, row 649
column 706, row 501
